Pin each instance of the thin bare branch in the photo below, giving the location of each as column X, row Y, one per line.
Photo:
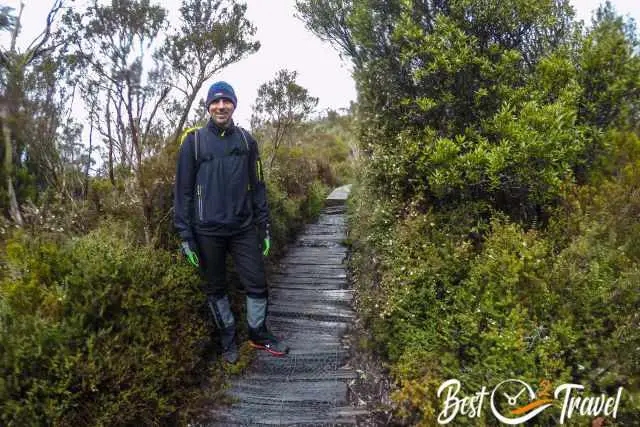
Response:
column 163, row 96
column 35, row 48
column 16, row 29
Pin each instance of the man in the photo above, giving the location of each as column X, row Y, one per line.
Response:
column 221, row 206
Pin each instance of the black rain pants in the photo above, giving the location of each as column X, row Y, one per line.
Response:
column 247, row 259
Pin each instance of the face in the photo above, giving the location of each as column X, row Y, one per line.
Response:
column 221, row 111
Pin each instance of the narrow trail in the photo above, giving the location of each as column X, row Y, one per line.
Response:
column 310, row 308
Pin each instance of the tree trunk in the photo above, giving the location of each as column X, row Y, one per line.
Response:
column 85, row 187
column 185, row 115
column 147, row 209
column 14, row 208
column 112, row 176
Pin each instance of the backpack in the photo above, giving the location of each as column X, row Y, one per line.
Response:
column 196, row 149
column 197, row 142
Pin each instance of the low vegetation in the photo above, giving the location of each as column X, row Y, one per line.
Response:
column 495, row 224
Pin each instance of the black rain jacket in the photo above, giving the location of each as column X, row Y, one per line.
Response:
column 223, row 191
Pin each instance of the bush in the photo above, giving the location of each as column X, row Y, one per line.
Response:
column 98, row 331
column 449, row 295
column 317, row 192
column 290, row 213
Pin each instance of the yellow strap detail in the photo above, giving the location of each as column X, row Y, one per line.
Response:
column 187, row 132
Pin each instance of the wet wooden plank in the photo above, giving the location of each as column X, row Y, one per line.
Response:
column 326, row 261
column 344, row 296
column 314, row 415
column 314, row 311
column 307, row 251
column 327, row 285
column 325, row 391
column 283, row 279
column 303, row 270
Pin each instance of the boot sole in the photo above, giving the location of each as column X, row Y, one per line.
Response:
column 268, row 350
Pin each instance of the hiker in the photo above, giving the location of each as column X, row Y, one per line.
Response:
column 221, row 206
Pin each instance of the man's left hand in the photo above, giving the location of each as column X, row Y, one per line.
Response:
column 265, row 237
column 188, row 248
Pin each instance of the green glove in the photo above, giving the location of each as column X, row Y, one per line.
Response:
column 267, row 246
column 188, row 250
column 265, row 237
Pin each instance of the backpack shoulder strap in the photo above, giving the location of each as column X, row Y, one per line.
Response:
column 186, row 133
column 259, row 171
column 246, row 144
column 196, row 145
column 244, row 138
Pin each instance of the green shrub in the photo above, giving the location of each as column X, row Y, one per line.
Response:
column 451, row 296
column 97, row 331
column 317, row 192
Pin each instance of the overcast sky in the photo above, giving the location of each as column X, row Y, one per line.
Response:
column 286, row 44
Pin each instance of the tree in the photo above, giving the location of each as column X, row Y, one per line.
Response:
column 329, row 21
column 610, row 67
column 363, row 30
column 212, row 35
column 7, row 20
column 17, row 67
column 281, row 105
column 112, row 41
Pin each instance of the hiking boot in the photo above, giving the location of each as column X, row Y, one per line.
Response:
column 230, row 354
column 259, row 335
column 223, row 317
column 262, row 339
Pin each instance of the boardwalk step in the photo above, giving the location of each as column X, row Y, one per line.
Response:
column 317, row 416
column 319, row 243
column 344, row 296
column 335, row 210
column 317, row 253
column 280, row 280
column 311, row 360
column 313, row 260
column 314, row 270
column 310, row 311
column 279, row 276
column 329, row 240
column 326, row 219
column 306, row 328
column 339, row 374
column 315, row 284
column 312, row 392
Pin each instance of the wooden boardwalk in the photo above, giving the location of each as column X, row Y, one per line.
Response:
column 310, row 308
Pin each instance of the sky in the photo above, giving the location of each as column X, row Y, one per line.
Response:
column 285, row 43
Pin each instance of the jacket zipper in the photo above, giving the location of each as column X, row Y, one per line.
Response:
column 199, row 192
